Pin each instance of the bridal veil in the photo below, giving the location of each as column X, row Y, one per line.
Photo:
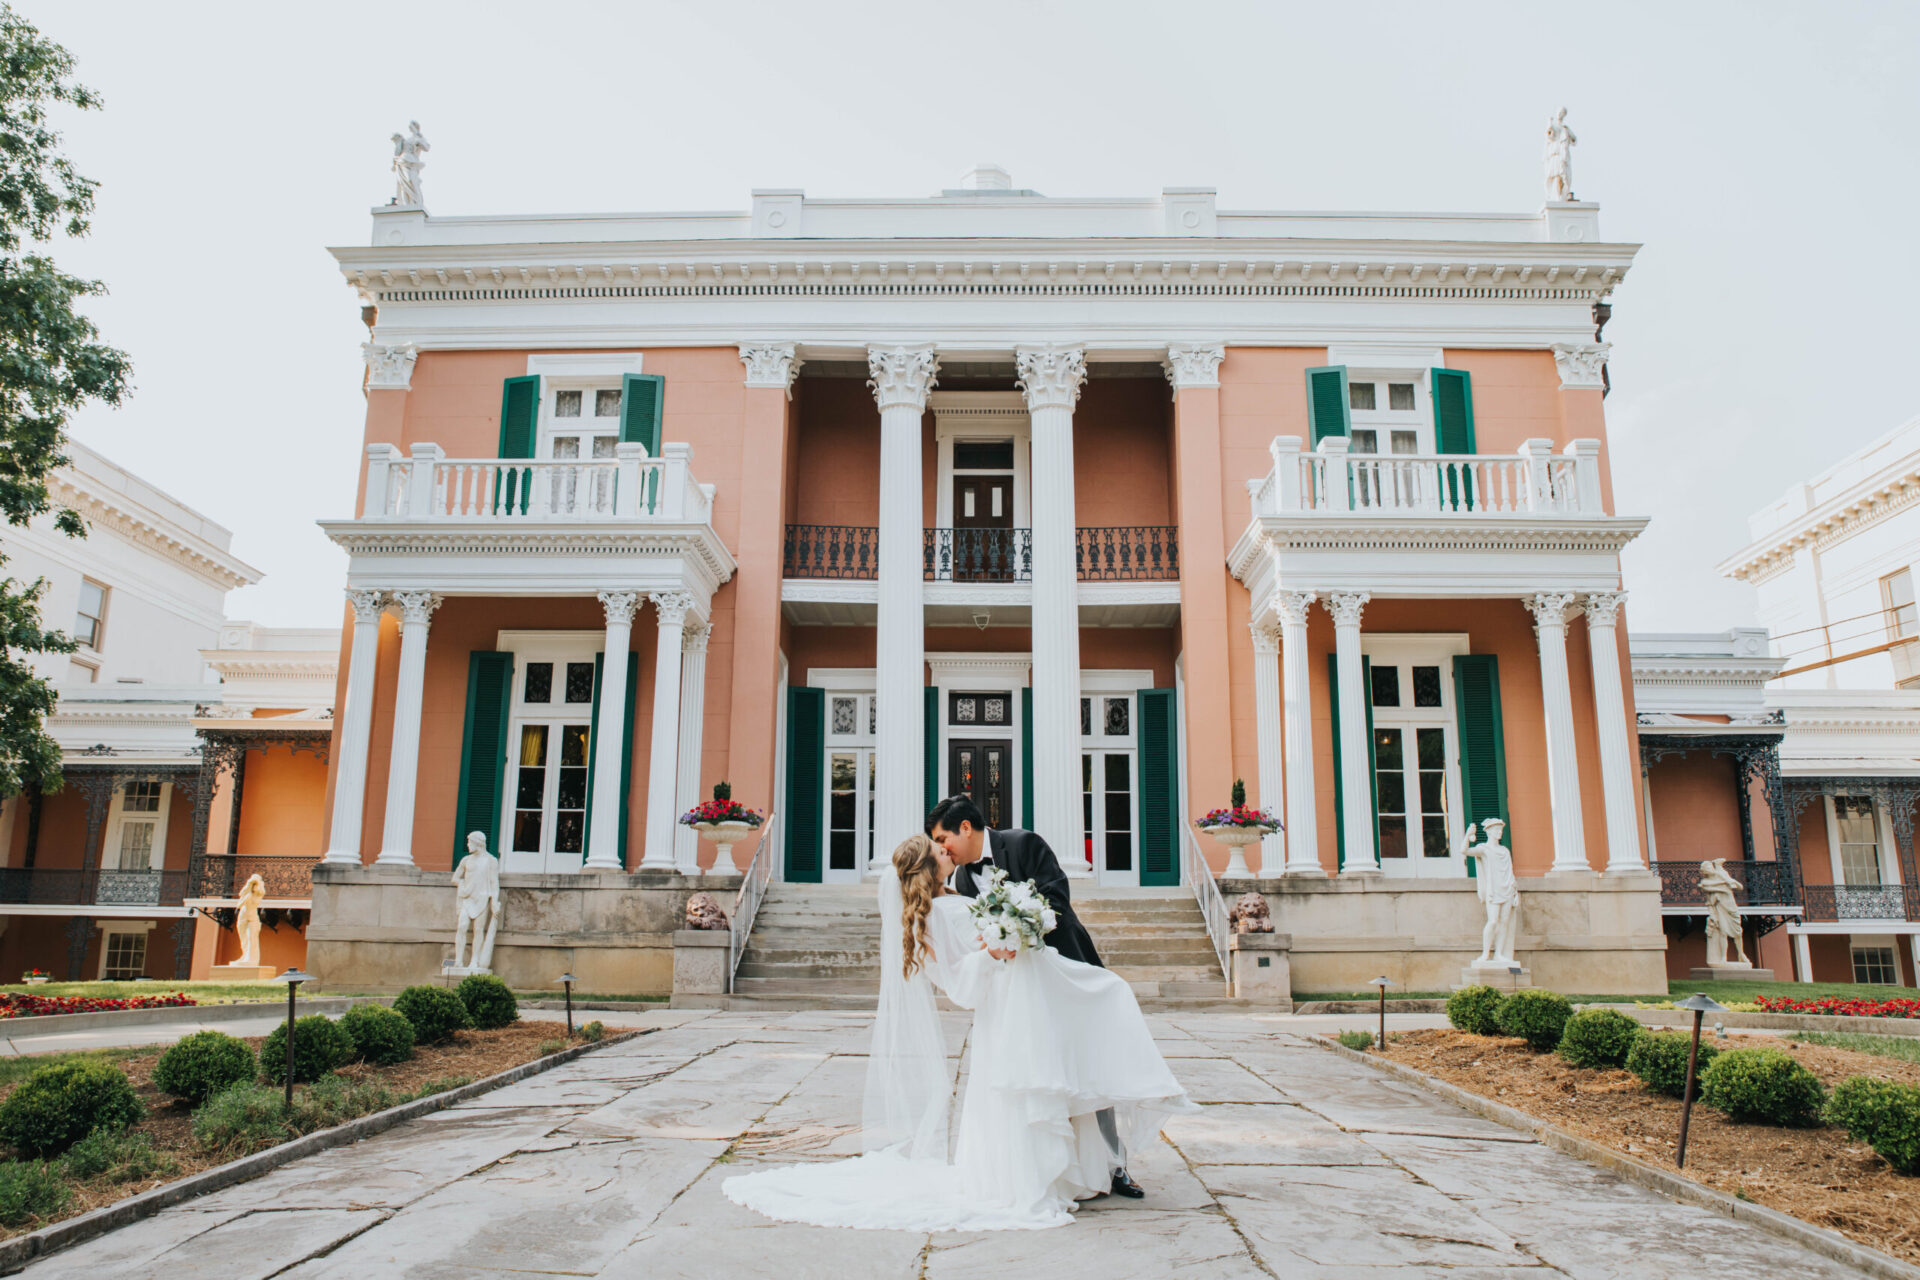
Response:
column 908, row 1083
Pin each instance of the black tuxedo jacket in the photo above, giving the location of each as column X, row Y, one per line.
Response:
column 1025, row 856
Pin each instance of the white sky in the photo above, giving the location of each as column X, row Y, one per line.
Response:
column 1765, row 154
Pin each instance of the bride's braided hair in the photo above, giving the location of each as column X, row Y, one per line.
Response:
column 918, row 866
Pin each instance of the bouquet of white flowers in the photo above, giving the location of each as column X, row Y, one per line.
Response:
column 1011, row 917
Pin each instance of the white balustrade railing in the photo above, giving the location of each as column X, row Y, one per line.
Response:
column 746, row 905
column 1334, row 480
column 428, row 485
column 1213, row 907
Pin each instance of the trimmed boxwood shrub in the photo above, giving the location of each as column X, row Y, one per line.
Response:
column 319, row 1045
column 490, row 1003
column 1763, row 1086
column 30, row 1191
column 1660, row 1060
column 1475, row 1009
column 1538, row 1017
column 60, row 1104
column 203, row 1064
column 1598, row 1038
column 379, row 1035
column 1883, row 1114
column 435, row 1012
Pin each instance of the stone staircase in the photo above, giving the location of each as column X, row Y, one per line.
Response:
column 818, row 947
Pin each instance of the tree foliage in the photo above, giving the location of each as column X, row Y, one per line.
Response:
column 51, row 362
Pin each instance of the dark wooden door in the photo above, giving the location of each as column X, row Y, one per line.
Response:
column 984, row 771
column 983, row 538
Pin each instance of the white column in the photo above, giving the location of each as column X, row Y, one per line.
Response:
column 671, row 609
column 1549, row 609
column 1646, row 796
column 1805, row 955
column 1052, row 377
column 693, row 702
column 356, row 730
column 403, row 773
column 1303, row 827
column 609, row 732
column 1266, row 706
column 901, row 378
column 1356, row 754
column 1616, row 754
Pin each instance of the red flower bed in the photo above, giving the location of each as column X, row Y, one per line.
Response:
column 30, row 1006
column 1896, row 1007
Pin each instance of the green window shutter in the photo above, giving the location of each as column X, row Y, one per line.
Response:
column 1159, row 783
column 1373, row 777
column 519, row 411
column 626, row 750
column 1483, row 751
column 1026, row 757
column 1452, row 410
column 806, row 782
column 483, row 753
column 930, row 726
column 1327, row 409
column 643, row 398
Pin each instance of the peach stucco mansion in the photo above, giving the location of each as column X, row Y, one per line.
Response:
column 1084, row 507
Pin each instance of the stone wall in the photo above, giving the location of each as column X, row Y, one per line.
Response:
column 385, row 928
column 1580, row 935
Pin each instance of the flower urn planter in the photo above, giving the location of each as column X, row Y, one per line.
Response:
column 36, row 979
column 1237, row 839
column 724, row 836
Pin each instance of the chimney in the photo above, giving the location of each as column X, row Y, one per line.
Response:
column 987, row 177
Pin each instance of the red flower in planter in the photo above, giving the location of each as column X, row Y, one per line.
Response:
column 1848, row 1006
column 31, row 1006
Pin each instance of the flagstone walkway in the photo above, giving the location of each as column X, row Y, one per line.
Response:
column 1302, row 1165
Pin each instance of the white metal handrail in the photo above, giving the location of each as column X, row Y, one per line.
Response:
column 1335, row 480
column 746, row 904
column 1213, row 907
column 428, row 485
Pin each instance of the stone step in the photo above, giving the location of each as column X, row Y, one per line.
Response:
column 1170, row 973
column 755, row 985
column 861, row 960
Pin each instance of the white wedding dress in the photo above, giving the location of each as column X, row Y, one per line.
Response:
column 1053, row 1042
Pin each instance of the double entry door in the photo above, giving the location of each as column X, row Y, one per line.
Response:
column 983, row 534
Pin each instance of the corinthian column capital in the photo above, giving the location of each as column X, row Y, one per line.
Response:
column 672, row 606
column 389, row 367
column 901, row 377
column 1549, row 608
column 1601, row 607
column 620, row 606
column 770, row 365
column 1188, row 365
column 1292, row 606
column 1266, row 636
column 1346, row 607
column 1581, row 364
column 367, row 605
column 415, row 606
column 1051, row 376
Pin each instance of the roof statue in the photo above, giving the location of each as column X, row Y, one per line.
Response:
column 407, row 164
column 1560, row 142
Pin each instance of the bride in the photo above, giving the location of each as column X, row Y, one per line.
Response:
column 1053, row 1042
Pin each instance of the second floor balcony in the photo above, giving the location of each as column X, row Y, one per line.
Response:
column 1148, row 553
column 1862, row 904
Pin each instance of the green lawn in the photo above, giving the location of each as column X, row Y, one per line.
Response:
column 239, row 992
column 1905, row 1048
column 1678, row 989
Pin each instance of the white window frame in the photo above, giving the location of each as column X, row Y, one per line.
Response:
column 585, row 373
column 858, row 684
column 117, row 818
column 559, row 648
column 1408, row 650
column 983, row 416
column 1382, row 420
column 98, row 640
column 1856, row 943
column 141, row 929
column 1883, row 837
column 1895, row 630
column 1100, row 685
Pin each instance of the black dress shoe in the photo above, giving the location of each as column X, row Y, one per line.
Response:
column 1125, row 1186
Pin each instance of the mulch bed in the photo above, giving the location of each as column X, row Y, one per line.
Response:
column 474, row 1054
column 1817, row 1175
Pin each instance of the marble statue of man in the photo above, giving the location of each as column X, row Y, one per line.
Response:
column 1560, row 142
column 1498, row 889
column 476, row 885
column 247, row 922
column 407, row 164
column 1723, row 914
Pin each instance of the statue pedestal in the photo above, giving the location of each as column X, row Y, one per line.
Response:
column 1729, row 973
column 451, row 970
column 1498, row 976
column 242, row 973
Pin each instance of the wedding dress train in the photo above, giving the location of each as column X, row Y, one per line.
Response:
column 1053, row 1042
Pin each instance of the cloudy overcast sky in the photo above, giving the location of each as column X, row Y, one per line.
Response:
column 1767, row 156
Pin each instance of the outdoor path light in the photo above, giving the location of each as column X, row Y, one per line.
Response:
column 1383, row 983
column 293, row 978
column 567, row 980
column 1701, row 1004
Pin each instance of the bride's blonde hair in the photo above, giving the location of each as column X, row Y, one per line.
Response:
column 918, row 863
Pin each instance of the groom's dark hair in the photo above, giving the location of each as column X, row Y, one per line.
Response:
column 953, row 811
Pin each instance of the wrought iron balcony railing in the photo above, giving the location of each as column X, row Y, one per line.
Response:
column 72, row 887
column 223, row 875
column 1762, row 884
column 1833, row 903
column 1114, row 553
column 831, row 551
column 978, row 555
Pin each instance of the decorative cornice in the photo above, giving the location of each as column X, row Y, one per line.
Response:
column 771, row 365
column 1407, row 534
column 517, row 543
column 1768, row 559
column 1191, row 366
column 389, row 368
column 1580, row 365
column 901, row 377
column 1050, row 376
column 67, row 488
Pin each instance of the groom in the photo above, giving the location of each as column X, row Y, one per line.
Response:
column 957, row 825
